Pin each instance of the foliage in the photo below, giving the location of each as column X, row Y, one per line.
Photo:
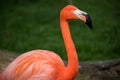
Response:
column 34, row 24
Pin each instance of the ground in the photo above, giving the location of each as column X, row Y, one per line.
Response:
column 88, row 70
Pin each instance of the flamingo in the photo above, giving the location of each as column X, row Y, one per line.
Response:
column 45, row 64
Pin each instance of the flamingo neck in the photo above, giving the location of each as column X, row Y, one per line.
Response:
column 72, row 67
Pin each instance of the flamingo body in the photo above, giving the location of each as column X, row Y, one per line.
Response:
column 35, row 65
column 47, row 65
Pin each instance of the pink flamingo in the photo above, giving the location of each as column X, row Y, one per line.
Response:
column 47, row 65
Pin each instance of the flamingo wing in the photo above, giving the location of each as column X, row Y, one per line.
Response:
column 34, row 65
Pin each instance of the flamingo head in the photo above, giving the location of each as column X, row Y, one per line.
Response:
column 71, row 12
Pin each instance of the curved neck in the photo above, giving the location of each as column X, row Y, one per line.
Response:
column 72, row 67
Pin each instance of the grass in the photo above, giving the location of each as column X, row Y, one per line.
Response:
column 26, row 25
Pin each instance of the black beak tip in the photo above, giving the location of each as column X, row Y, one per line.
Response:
column 88, row 21
column 89, row 25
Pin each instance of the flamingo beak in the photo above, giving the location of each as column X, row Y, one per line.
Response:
column 84, row 17
column 88, row 21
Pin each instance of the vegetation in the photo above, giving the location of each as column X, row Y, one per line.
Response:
column 34, row 24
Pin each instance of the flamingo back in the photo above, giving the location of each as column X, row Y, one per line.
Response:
column 36, row 64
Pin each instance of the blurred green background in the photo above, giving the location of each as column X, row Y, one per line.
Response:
column 34, row 24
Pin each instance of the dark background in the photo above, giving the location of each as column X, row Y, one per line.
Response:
column 34, row 24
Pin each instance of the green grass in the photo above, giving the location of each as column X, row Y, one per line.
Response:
column 26, row 25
